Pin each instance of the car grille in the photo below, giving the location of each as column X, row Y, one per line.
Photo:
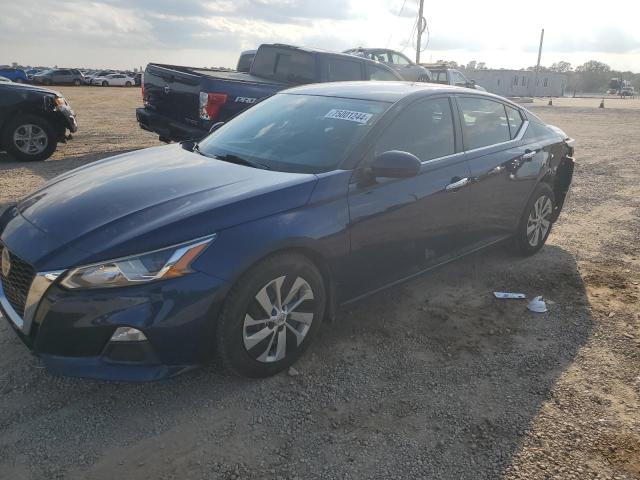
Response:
column 16, row 285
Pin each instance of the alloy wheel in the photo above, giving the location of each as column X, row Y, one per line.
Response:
column 279, row 319
column 539, row 220
column 30, row 139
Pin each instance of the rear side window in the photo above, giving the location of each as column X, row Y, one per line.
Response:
column 339, row 70
column 515, row 120
column 376, row 73
column 63, row 72
column 424, row 129
column 484, row 122
column 284, row 64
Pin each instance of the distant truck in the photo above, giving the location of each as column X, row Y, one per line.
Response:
column 245, row 61
column 183, row 103
column 441, row 73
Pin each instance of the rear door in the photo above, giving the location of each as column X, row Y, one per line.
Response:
column 62, row 76
column 503, row 166
column 399, row 227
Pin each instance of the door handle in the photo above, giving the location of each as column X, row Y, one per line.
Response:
column 529, row 154
column 457, row 185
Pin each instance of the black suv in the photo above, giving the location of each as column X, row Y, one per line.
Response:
column 59, row 76
column 33, row 120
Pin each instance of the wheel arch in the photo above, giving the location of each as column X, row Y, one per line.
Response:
column 314, row 256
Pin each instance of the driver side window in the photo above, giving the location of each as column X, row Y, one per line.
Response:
column 424, row 129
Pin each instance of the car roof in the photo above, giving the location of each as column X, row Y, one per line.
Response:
column 383, row 91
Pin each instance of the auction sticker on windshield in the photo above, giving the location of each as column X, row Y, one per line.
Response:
column 350, row 115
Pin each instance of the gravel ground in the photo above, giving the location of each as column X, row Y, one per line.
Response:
column 434, row 379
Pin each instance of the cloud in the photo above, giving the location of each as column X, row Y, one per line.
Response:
column 606, row 39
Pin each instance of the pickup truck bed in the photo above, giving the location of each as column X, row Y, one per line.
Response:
column 173, row 104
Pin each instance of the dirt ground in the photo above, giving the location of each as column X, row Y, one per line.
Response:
column 434, row 379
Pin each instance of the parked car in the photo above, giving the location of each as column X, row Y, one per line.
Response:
column 114, row 80
column 31, row 72
column 450, row 76
column 98, row 73
column 33, row 120
column 407, row 69
column 14, row 74
column 250, row 238
column 245, row 60
column 59, row 76
column 183, row 103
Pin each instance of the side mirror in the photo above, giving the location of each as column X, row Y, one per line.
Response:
column 215, row 126
column 395, row 164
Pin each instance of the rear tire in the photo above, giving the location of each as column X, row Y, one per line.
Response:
column 29, row 138
column 77, row 82
column 536, row 221
column 128, row 84
column 260, row 333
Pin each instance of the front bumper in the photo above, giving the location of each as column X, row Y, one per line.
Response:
column 71, row 330
column 166, row 128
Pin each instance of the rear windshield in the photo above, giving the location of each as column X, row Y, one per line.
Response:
column 296, row 133
column 284, row 64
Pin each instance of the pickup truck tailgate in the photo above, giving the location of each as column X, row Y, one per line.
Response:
column 172, row 93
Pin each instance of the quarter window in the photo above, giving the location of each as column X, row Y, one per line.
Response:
column 515, row 120
column 484, row 122
column 343, row 70
column 424, row 129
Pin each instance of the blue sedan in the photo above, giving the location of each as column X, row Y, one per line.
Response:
column 143, row 265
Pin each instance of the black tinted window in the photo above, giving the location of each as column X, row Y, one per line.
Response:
column 376, row 73
column 484, row 122
column 343, row 70
column 63, row 72
column 284, row 64
column 424, row 129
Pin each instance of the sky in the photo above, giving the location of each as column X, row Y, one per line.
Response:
column 131, row 33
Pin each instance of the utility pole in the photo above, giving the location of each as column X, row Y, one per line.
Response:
column 420, row 29
column 535, row 85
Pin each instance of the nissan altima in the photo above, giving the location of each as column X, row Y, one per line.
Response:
column 143, row 265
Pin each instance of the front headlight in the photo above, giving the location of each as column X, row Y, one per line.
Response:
column 169, row 262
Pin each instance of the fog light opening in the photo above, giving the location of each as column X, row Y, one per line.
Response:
column 128, row 334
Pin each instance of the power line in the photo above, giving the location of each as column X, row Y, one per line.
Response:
column 399, row 13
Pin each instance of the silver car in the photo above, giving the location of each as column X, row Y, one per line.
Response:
column 399, row 62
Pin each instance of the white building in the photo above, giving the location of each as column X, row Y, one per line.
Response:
column 520, row 83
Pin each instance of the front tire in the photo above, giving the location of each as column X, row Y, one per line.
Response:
column 271, row 315
column 105, row 84
column 128, row 84
column 77, row 82
column 536, row 221
column 29, row 138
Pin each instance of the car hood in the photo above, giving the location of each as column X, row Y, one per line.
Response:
column 152, row 198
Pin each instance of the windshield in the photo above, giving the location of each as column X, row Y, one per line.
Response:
column 295, row 133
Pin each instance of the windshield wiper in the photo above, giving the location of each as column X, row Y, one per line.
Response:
column 231, row 158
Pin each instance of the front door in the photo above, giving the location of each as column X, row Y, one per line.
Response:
column 400, row 227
